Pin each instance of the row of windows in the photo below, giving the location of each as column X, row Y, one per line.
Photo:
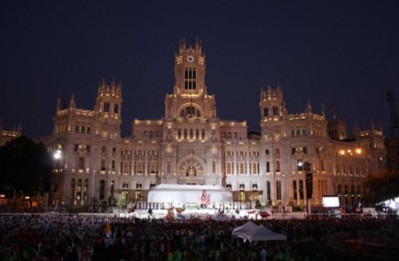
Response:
column 242, row 168
column 229, row 135
column 83, row 129
column 106, row 107
column 274, row 111
column 299, row 150
column 231, row 168
column 152, row 167
column 77, row 147
column 125, row 187
column 103, row 165
column 80, row 189
column 242, row 153
column 190, row 85
column 189, row 134
column 276, row 153
column 104, row 151
column 346, row 189
column 350, row 169
column 298, row 132
column 61, row 126
column 190, row 73
column 151, row 134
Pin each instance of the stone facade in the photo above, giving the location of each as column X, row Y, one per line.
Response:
column 190, row 144
column 8, row 135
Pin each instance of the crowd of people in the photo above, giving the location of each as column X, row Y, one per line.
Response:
column 83, row 238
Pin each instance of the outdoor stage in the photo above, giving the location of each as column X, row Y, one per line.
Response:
column 215, row 214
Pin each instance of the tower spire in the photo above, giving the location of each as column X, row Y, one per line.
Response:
column 72, row 103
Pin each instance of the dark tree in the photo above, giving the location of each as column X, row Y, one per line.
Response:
column 25, row 167
column 382, row 186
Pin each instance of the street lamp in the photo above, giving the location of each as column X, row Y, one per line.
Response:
column 309, row 184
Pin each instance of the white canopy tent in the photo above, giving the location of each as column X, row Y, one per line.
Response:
column 252, row 232
column 244, row 228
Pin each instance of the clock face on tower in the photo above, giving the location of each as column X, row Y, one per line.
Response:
column 190, row 58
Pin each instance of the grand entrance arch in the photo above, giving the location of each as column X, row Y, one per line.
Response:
column 191, row 170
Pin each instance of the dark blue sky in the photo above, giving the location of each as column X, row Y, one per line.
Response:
column 341, row 51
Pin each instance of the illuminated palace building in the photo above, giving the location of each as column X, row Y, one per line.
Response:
column 191, row 145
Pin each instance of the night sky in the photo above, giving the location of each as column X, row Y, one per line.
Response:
column 345, row 52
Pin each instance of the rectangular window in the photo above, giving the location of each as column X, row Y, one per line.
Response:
column 278, row 185
column 241, row 168
column 152, row 167
column 106, row 107
column 168, row 167
column 139, row 167
column 228, row 168
column 81, row 163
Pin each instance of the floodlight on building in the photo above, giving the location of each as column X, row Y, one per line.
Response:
column 57, row 154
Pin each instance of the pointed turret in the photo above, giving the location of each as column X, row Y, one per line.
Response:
column 72, row 103
column 308, row 108
column 272, row 104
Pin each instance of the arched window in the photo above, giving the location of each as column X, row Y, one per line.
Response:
column 228, row 168
column 112, row 188
column 266, row 112
column 242, row 193
column 268, row 192
column 72, row 189
column 85, row 189
column 106, row 106
column 294, row 186
column 277, row 153
column 102, row 189
column 79, row 190
column 275, row 110
column 278, row 186
column 190, row 112
column 301, row 190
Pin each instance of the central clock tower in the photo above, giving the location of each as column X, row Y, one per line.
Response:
column 189, row 70
column 190, row 98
